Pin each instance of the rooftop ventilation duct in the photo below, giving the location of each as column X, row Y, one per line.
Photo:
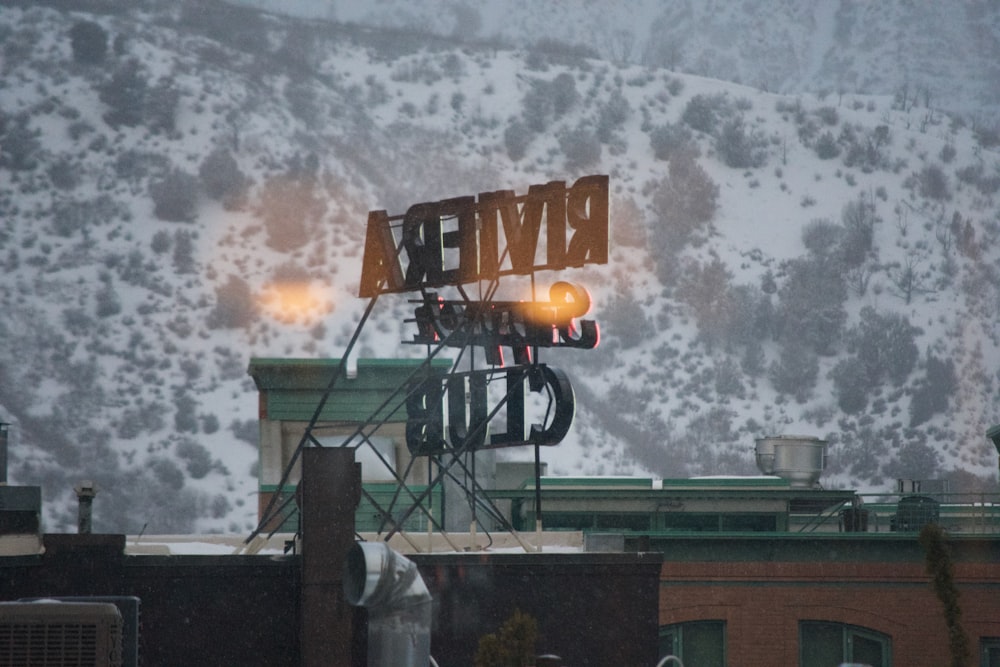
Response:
column 398, row 603
column 798, row 459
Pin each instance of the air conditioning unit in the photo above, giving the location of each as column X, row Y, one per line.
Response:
column 128, row 607
column 60, row 634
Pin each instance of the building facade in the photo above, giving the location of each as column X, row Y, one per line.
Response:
column 763, row 570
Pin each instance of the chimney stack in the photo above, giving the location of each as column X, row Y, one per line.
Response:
column 85, row 492
column 4, row 426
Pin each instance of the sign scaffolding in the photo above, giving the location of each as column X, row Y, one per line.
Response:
column 442, row 252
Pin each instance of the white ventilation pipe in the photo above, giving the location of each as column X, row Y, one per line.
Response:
column 398, row 603
column 670, row 658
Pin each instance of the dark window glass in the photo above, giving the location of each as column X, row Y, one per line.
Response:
column 704, row 644
column 750, row 522
column 824, row 644
column 700, row 643
column 990, row 652
column 866, row 650
column 668, row 641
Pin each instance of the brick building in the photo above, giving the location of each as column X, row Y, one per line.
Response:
column 769, row 570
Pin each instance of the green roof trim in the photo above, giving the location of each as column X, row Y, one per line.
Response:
column 291, row 389
column 724, row 482
column 271, row 373
column 721, row 483
column 608, row 483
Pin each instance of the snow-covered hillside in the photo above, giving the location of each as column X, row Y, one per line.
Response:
column 195, row 194
column 943, row 52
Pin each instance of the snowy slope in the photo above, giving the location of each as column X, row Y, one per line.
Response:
column 126, row 336
column 801, row 46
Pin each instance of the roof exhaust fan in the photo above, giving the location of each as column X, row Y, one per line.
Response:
column 800, row 459
column 398, row 603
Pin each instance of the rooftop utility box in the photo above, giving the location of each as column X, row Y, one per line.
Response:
column 39, row 634
column 20, row 510
column 128, row 607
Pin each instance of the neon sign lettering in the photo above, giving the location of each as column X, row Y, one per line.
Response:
column 425, row 427
column 519, row 325
column 457, row 241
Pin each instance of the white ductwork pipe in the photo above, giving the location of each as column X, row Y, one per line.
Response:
column 398, row 603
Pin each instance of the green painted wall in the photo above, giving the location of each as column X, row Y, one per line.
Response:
column 291, row 389
column 367, row 518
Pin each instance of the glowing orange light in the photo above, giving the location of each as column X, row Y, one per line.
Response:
column 567, row 302
column 296, row 302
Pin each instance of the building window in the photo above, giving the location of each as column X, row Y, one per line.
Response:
column 989, row 651
column 822, row 644
column 701, row 643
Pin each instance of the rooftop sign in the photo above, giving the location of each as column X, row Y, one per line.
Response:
column 457, row 241
column 452, row 242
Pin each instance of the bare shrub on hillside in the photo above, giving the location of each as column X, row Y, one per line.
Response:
column 933, row 183
column 811, row 302
column 221, row 176
column 197, row 460
column 63, row 173
column 133, row 165
column 183, row 255
column 161, row 103
column 630, row 225
column 73, row 216
column 235, row 305
column 89, row 42
column 538, row 105
column 626, row 319
column 706, row 289
column 865, row 148
column 20, row 144
column 684, row 203
column 851, row 384
column 611, row 116
column 581, row 148
column 705, row 112
column 826, row 146
column 516, row 138
column 886, row 344
column 740, row 147
column 933, row 392
column 749, row 316
column 671, row 139
column 175, row 196
column 290, row 207
column 859, row 218
column 821, row 236
column 795, row 371
column 125, row 94
column 108, row 301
